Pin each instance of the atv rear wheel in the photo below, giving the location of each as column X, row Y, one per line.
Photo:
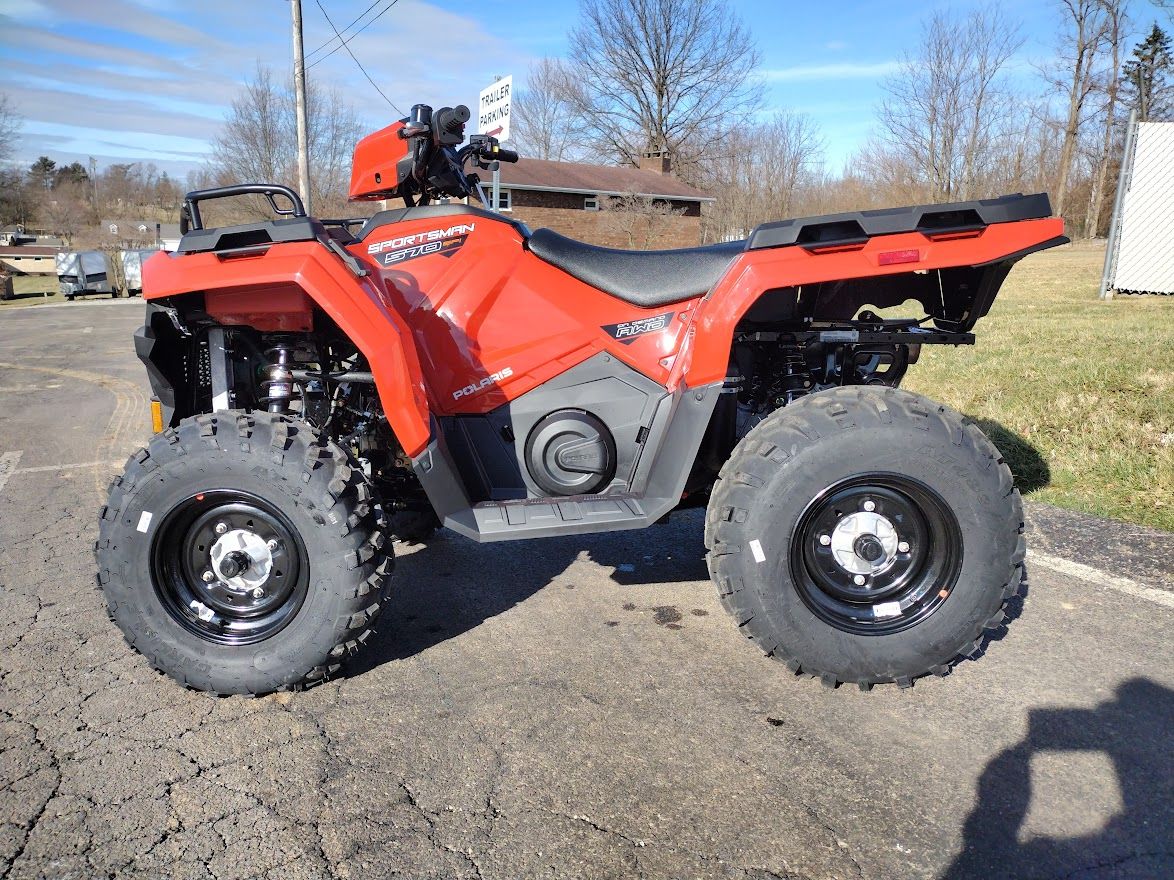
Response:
column 865, row 535
column 239, row 553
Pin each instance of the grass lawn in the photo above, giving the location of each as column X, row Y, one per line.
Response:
column 31, row 289
column 1077, row 393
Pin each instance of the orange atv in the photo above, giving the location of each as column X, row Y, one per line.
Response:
column 325, row 386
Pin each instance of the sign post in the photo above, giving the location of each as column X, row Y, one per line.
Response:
column 493, row 119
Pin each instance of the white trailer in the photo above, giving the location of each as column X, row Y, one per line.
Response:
column 83, row 273
column 132, row 270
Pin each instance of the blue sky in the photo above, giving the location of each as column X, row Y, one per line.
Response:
column 150, row 80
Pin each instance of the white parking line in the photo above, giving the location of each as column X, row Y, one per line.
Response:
column 1165, row 598
column 8, row 463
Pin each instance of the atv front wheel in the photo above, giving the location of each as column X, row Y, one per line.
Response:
column 865, row 535
column 239, row 553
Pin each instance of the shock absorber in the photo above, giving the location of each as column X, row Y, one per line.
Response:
column 278, row 388
column 796, row 377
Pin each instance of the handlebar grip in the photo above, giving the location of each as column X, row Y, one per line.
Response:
column 505, row 155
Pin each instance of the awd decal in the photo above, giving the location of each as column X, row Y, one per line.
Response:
column 627, row 331
column 474, row 387
column 445, row 242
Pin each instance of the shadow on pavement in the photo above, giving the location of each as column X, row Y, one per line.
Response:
column 1132, row 731
column 1029, row 467
column 451, row 584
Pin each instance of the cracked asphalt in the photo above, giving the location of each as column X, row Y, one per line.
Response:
column 570, row 708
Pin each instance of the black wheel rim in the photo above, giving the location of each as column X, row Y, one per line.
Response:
column 229, row 611
column 876, row 554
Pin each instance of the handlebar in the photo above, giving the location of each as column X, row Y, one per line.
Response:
column 437, row 166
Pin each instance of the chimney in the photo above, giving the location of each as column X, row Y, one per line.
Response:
column 656, row 159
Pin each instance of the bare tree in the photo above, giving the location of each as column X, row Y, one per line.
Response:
column 642, row 219
column 947, row 105
column 64, row 210
column 545, row 125
column 1109, row 85
column 1075, row 77
column 259, row 143
column 761, row 173
column 10, row 123
column 663, row 74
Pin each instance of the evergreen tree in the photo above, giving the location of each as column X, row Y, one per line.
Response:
column 41, row 172
column 1147, row 75
column 75, row 172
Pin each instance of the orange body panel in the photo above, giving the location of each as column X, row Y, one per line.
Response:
column 373, row 171
column 281, row 307
column 760, row 270
column 490, row 308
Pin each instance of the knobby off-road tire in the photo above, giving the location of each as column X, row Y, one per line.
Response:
column 810, row 481
column 241, row 474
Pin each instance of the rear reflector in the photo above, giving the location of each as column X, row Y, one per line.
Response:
column 891, row 258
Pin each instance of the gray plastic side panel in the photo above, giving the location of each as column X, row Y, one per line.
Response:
column 686, row 414
column 622, row 398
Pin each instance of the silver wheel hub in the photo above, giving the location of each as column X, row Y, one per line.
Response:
column 858, row 532
column 240, row 542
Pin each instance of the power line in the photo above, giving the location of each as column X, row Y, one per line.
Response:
column 356, row 60
column 344, row 42
column 345, row 29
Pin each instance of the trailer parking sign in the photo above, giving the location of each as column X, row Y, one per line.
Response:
column 493, row 109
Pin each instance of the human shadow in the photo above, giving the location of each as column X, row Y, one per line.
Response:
column 1028, row 466
column 1133, row 731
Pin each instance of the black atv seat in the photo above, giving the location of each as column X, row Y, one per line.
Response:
column 642, row 278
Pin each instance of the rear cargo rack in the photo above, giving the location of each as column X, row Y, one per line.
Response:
column 933, row 221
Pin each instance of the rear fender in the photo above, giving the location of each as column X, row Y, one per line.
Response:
column 353, row 303
column 955, row 279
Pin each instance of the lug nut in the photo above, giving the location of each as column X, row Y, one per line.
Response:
column 825, row 539
column 271, row 544
column 258, row 593
column 208, row 576
column 220, row 528
column 859, row 580
column 903, row 547
column 869, row 506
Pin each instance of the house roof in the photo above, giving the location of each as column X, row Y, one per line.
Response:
column 133, row 228
column 611, row 180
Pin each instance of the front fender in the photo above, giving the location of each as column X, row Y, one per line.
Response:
column 356, row 305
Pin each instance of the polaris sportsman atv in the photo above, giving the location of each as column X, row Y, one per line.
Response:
column 325, row 385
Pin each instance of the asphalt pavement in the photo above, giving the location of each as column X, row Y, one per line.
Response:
column 565, row 708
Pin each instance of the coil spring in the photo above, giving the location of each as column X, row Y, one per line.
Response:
column 277, row 390
column 796, row 379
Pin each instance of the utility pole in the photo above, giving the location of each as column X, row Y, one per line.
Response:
column 300, row 92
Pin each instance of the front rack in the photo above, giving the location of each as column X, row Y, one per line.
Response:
column 189, row 215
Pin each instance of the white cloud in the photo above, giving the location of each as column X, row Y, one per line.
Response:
column 848, row 70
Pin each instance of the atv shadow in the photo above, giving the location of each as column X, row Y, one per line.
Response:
column 1137, row 840
column 452, row 585
column 1029, row 467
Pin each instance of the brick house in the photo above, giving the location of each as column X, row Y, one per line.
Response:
column 572, row 198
